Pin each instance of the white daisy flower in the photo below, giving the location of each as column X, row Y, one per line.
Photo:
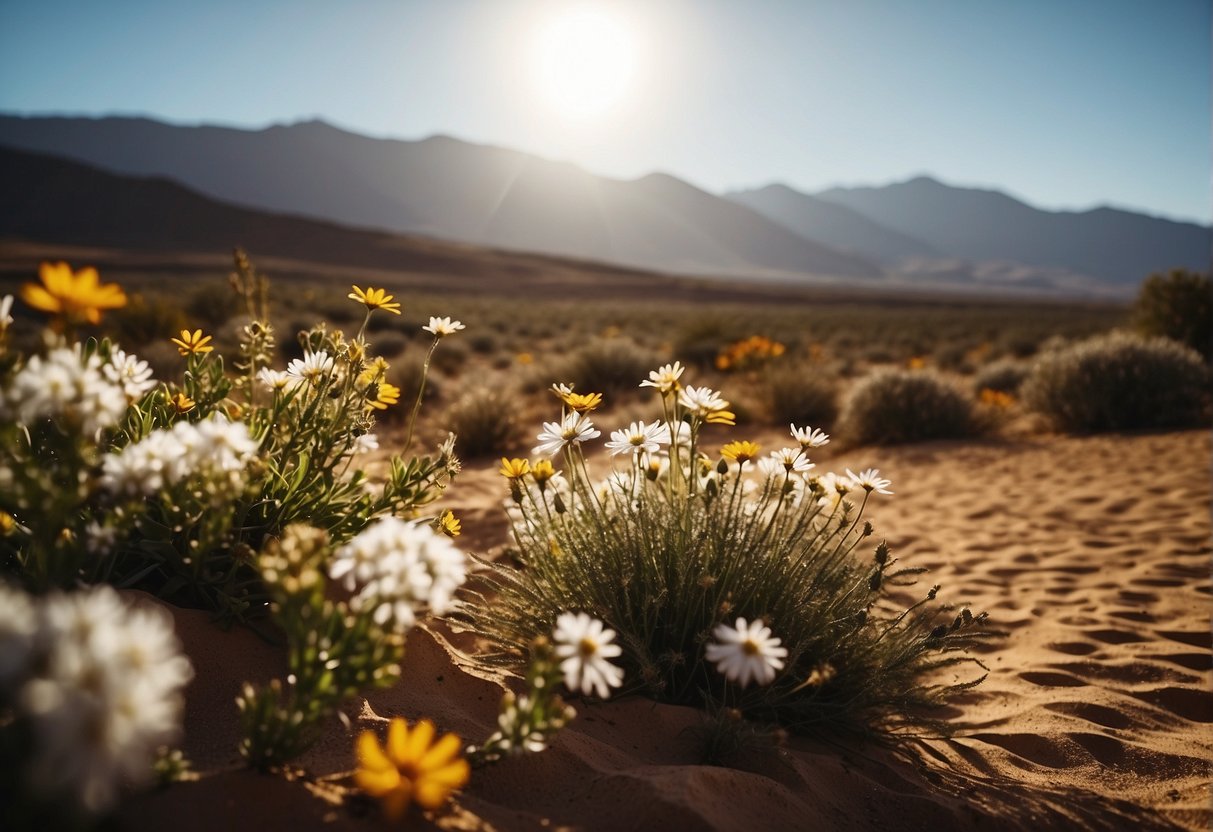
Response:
column 107, row 694
column 834, row 488
column 561, row 389
column 574, row 429
column 6, row 307
column 746, row 652
column 584, row 644
column 870, row 480
column 792, row 460
column 313, row 367
column 809, row 437
column 398, row 569
column 441, row 327
column 639, row 438
column 701, row 400
column 276, row 380
column 664, row 378
column 127, row 371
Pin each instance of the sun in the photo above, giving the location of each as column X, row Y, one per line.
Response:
column 583, row 62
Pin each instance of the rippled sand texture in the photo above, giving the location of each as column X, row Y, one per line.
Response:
column 1092, row 554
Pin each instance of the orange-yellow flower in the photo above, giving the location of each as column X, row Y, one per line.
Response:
column 75, row 297
column 449, row 524
column 191, row 343
column 388, row 395
column 543, row 471
column 582, row 402
column 514, row 469
column 721, row 417
column 182, row 403
column 375, row 299
column 739, row 451
column 410, row 767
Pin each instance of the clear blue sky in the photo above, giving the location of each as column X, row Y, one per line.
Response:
column 1065, row 103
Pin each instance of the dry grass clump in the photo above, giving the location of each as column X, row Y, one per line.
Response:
column 892, row 405
column 608, row 365
column 732, row 579
column 483, row 426
column 800, row 394
column 1003, row 376
column 1120, row 381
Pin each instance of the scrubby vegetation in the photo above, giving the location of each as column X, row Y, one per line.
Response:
column 732, row 577
column 894, row 405
column 1120, row 381
column 1178, row 305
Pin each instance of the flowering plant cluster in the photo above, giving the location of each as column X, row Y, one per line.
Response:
column 109, row 474
column 234, row 486
column 90, row 696
column 733, row 577
column 395, row 571
column 749, row 353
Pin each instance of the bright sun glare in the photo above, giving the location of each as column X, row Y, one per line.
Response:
column 583, row 62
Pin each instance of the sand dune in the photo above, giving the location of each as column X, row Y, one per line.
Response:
column 1091, row 553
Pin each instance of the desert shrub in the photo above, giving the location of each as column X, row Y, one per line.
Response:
column 145, row 319
column 483, row 425
column 390, row 343
column 720, row 569
column 893, row 405
column 1179, row 306
column 212, row 304
column 1003, row 376
column 1119, row 381
column 800, row 394
column 484, row 343
column 608, row 365
column 452, row 357
column 700, row 340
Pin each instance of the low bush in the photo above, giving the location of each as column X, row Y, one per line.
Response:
column 484, row 426
column 800, row 394
column 732, row 579
column 893, row 405
column 1119, row 381
column 1179, row 306
column 1004, row 376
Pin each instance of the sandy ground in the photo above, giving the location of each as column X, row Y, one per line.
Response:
column 1092, row 554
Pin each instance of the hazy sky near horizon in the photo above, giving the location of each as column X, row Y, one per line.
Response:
column 1063, row 103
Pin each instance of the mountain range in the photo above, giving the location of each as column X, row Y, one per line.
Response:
column 920, row 231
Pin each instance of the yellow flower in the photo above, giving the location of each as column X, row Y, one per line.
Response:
column 7, row 523
column 410, row 767
column 514, row 469
column 449, row 524
column 996, row 398
column 75, row 297
column 916, row 363
column 375, row 299
column 582, row 402
column 374, row 371
column 524, row 358
column 543, row 471
column 182, row 403
column 739, row 451
column 721, row 417
column 387, row 396
column 191, row 343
